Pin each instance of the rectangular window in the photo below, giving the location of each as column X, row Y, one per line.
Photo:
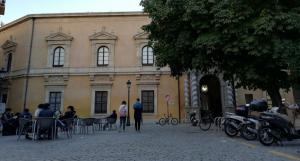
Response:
column 9, row 61
column 248, row 98
column 4, row 98
column 148, row 101
column 100, row 102
column 55, row 100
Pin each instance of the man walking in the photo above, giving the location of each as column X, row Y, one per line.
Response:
column 138, row 109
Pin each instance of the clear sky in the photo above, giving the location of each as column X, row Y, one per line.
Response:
column 18, row 8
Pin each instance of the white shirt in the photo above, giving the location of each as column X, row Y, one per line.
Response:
column 37, row 112
column 123, row 108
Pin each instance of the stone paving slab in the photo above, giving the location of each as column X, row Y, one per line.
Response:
column 181, row 142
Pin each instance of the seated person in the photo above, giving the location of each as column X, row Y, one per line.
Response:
column 111, row 119
column 46, row 112
column 37, row 111
column 9, row 123
column 26, row 114
column 69, row 114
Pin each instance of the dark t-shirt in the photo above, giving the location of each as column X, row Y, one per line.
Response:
column 69, row 115
column 113, row 116
column 46, row 113
column 138, row 109
column 26, row 115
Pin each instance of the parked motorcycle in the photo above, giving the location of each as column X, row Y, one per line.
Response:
column 247, row 125
column 233, row 123
column 250, row 128
column 276, row 128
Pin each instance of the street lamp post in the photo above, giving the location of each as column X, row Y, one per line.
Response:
column 128, row 105
column 204, row 90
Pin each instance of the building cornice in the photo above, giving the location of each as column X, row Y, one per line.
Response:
column 72, row 15
column 88, row 71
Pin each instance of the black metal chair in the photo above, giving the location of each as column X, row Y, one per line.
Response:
column 100, row 122
column 85, row 123
column 25, row 126
column 44, row 125
column 68, row 127
column 112, row 122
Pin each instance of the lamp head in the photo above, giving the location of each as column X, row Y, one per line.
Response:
column 128, row 83
column 204, row 88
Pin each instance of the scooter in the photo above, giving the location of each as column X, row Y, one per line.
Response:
column 252, row 124
column 250, row 128
column 233, row 123
column 276, row 128
column 247, row 126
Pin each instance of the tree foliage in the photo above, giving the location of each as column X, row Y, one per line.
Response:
column 256, row 43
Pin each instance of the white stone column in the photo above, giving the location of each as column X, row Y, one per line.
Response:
column 186, row 93
column 229, row 94
column 194, row 90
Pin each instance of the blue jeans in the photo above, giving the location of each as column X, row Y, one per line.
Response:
column 122, row 122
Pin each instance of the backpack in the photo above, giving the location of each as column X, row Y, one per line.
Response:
column 123, row 111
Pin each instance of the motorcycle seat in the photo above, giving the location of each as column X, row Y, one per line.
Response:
column 253, row 117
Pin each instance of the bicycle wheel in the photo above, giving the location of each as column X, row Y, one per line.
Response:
column 205, row 124
column 162, row 121
column 174, row 121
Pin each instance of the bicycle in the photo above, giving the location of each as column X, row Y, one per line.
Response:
column 167, row 119
column 206, row 120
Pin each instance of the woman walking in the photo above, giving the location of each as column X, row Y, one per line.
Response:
column 123, row 112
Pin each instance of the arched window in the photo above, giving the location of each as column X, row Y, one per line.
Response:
column 102, row 56
column 58, row 57
column 147, row 55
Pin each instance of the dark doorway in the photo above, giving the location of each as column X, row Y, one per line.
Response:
column 210, row 96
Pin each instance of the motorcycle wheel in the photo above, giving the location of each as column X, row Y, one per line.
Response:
column 205, row 124
column 162, row 121
column 230, row 130
column 246, row 134
column 265, row 137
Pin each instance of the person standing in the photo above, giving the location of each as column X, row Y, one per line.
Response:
column 123, row 112
column 138, row 109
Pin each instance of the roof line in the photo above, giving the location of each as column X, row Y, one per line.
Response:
column 66, row 15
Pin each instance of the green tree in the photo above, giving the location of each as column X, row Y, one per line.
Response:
column 255, row 43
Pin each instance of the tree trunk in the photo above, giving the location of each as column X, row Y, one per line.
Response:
column 276, row 100
column 275, row 97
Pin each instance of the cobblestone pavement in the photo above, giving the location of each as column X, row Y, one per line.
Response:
column 181, row 142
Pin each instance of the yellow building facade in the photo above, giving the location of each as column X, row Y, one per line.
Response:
column 86, row 59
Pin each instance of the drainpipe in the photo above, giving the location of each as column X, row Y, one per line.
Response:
column 28, row 65
column 233, row 92
column 179, row 102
